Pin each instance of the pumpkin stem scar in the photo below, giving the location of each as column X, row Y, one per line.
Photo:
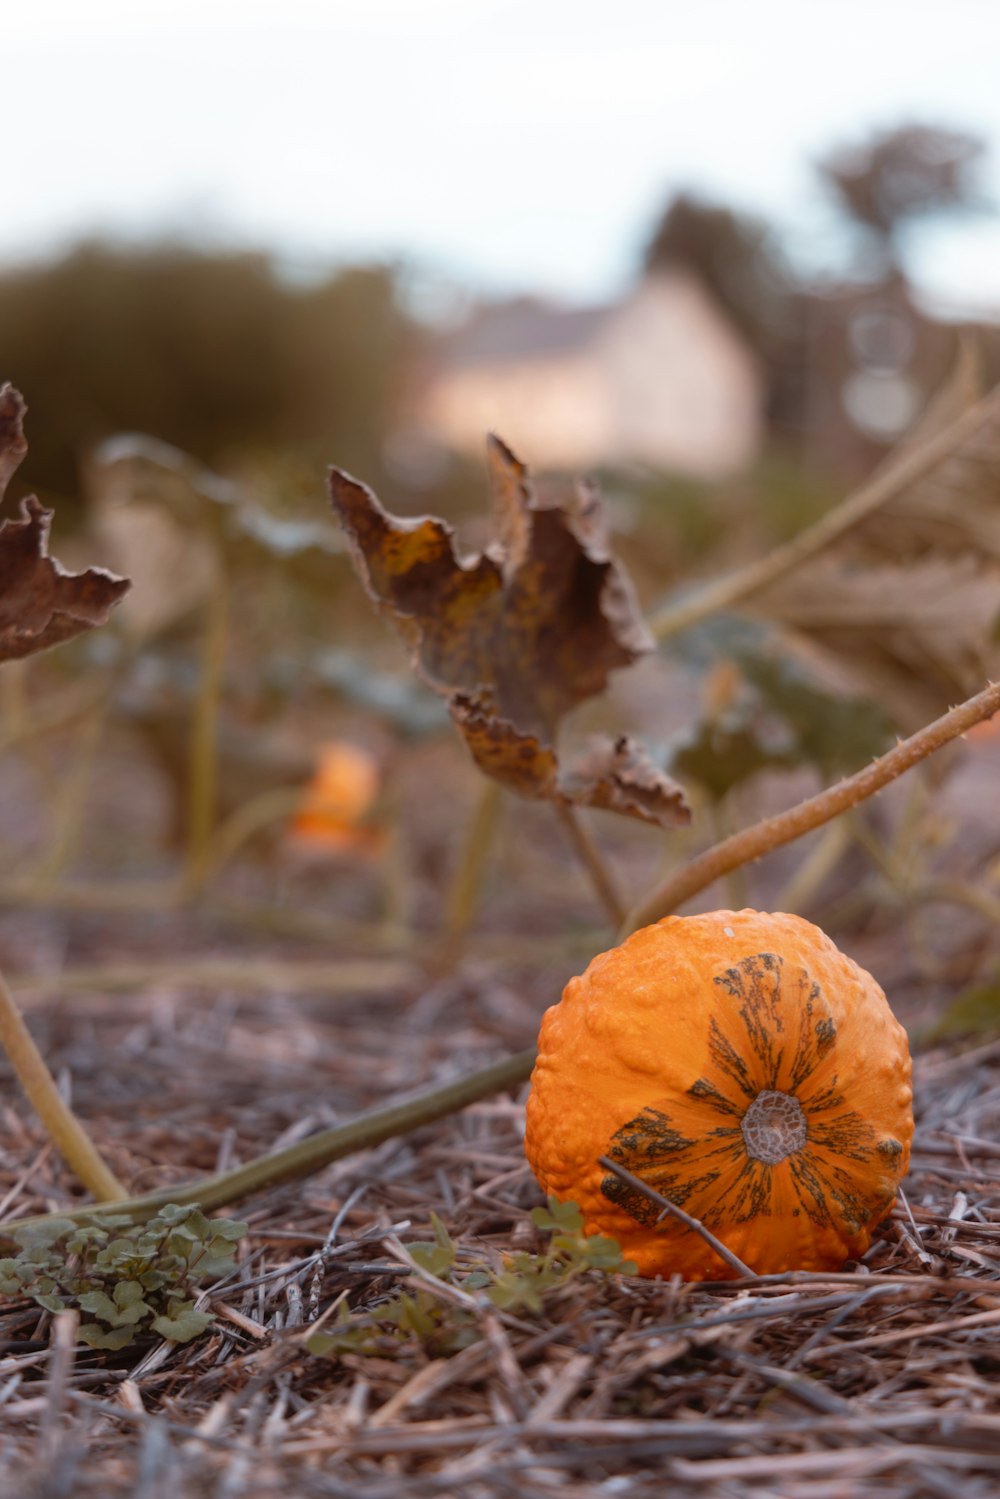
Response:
column 774, row 1127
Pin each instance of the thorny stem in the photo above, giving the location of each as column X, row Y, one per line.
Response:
column 593, row 862
column 319, row 1150
column 63, row 1127
column 773, row 832
column 890, row 479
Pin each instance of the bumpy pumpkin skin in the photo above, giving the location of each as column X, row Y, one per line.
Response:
column 743, row 1067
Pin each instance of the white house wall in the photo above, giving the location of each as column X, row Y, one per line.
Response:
column 682, row 390
column 554, row 413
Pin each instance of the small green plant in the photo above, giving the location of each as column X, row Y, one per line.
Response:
column 443, row 1327
column 124, row 1278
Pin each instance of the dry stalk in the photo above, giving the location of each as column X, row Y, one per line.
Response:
column 593, row 862
column 64, row 1129
column 479, row 837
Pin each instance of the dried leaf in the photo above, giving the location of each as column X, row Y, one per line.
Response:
column 41, row 605
column 12, row 443
column 536, row 623
column 616, row 776
column 619, row 776
column 723, row 752
column 516, row 757
column 517, row 636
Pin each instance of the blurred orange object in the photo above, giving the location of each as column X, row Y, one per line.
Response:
column 337, row 801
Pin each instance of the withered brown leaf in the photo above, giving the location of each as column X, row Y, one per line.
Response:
column 41, row 605
column 13, row 446
column 616, row 775
column 517, row 636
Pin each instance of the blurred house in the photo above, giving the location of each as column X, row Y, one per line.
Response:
column 661, row 379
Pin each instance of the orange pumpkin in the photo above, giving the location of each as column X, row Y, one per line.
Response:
column 745, row 1069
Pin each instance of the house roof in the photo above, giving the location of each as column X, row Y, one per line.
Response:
column 523, row 328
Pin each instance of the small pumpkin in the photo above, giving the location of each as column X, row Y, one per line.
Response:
column 338, row 799
column 744, row 1068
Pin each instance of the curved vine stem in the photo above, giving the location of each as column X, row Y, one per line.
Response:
column 899, row 471
column 753, row 842
column 318, row 1150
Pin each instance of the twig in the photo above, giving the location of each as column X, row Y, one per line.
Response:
column 63, row 1127
column 896, row 474
column 725, row 1254
column 774, row 832
column 923, row 1330
column 65, row 1326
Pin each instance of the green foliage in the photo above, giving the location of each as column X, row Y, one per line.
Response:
column 444, row 1327
column 973, row 1012
column 213, row 352
column 775, row 713
column 833, row 731
column 124, row 1278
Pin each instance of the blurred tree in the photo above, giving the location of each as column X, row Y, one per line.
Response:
column 212, row 352
column 900, row 175
column 348, row 342
column 738, row 258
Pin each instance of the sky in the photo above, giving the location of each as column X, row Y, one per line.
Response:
column 508, row 144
